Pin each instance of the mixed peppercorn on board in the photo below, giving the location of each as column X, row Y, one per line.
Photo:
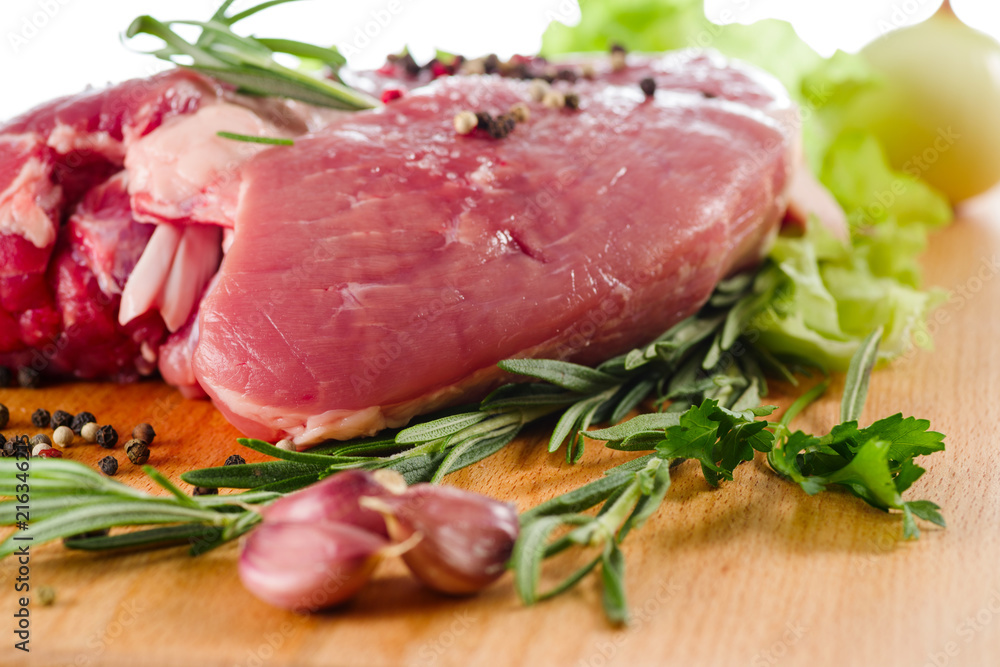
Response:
column 781, row 573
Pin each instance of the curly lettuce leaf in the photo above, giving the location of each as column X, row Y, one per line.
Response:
column 890, row 212
column 833, row 294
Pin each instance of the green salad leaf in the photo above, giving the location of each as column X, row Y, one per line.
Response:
column 820, row 296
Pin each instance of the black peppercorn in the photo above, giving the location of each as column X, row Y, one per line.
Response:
column 5, row 377
column 3, row 445
column 8, row 447
column 41, row 439
column 566, row 75
column 28, row 377
column 107, row 436
column 60, row 418
column 572, row 101
column 519, row 71
column 80, row 420
column 235, row 460
column 492, row 64
column 4, row 416
column 137, row 451
column 648, row 86
column 41, row 417
column 409, row 64
column 204, row 491
column 498, row 127
column 108, row 465
column 144, row 432
column 21, row 448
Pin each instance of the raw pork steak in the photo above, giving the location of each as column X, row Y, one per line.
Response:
column 383, row 266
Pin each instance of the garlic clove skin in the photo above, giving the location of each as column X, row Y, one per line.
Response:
column 308, row 566
column 465, row 540
column 335, row 499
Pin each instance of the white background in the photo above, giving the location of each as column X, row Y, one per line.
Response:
column 56, row 47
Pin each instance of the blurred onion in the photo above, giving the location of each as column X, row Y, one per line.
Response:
column 937, row 112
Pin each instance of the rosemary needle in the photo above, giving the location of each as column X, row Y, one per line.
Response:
column 274, row 141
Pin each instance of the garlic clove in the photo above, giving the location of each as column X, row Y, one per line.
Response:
column 335, row 499
column 308, row 566
column 465, row 540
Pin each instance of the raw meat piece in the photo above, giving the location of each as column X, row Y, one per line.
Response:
column 184, row 172
column 50, row 157
column 29, row 200
column 106, row 236
column 175, row 359
column 162, row 132
column 89, row 133
column 383, row 266
column 73, row 330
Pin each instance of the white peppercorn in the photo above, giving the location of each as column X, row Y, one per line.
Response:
column 89, row 432
column 465, row 122
column 63, row 436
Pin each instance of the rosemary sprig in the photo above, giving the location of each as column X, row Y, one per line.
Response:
column 875, row 464
column 68, row 498
column 248, row 62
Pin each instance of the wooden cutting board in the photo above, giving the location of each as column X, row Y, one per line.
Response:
column 754, row 573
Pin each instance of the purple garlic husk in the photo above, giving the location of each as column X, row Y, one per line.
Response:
column 335, row 500
column 308, row 566
column 465, row 538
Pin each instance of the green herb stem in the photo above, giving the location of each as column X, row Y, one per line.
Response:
column 248, row 62
column 273, row 141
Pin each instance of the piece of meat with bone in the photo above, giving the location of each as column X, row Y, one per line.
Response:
column 59, row 280
column 106, row 160
column 382, row 267
column 73, row 327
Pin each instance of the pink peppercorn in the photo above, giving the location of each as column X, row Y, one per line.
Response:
column 390, row 94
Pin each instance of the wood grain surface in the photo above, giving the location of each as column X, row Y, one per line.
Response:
column 754, row 573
